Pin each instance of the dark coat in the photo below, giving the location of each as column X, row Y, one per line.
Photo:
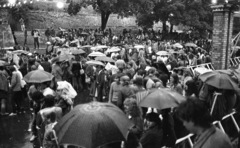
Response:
column 152, row 138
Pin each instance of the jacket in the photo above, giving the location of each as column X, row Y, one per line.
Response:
column 152, row 138
column 16, row 81
column 4, row 81
column 212, row 138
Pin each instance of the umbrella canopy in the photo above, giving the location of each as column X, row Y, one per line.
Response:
column 96, row 54
column 19, row 52
column 92, row 62
column 139, row 46
column 162, row 99
column 114, row 49
column 93, row 125
column 190, row 45
column 201, row 70
column 177, row 45
column 219, row 80
column 38, row 76
column 3, row 63
column 104, row 59
column 78, row 51
column 65, row 57
column 162, row 53
column 87, row 46
column 84, row 33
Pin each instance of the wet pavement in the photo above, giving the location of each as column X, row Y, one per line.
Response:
column 14, row 130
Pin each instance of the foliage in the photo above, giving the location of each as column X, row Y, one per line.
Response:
column 123, row 8
column 193, row 13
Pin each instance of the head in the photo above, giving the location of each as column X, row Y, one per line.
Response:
column 49, row 101
column 191, row 88
column 51, row 118
column 38, row 97
column 124, row 80
column 153, row 120
column 194, row 114
column 174, row 79
column 131, row 107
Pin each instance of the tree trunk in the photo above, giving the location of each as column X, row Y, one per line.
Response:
column 104, row 19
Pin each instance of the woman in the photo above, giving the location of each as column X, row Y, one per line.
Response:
column 191, row 89
column 134, row 113
column 152, row 137
column 175, row 84
column 114, row 90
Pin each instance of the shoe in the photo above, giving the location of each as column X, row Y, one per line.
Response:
column 33, row 138
column 29, row 130
column 12, row 114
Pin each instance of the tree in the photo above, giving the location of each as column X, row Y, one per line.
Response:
column 123, row 8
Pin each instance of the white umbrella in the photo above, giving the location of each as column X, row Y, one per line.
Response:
column 177, row 45
column 139, row 46
column 162, row 53
column 96, row 54
column 93, row 62
column 113, row 49
column 201, row 70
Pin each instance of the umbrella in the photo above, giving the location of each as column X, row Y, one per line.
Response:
column 84, row 33
column 162, row 99
column 87, row 46
column 177, row 45
column 162, row 53
column 3, row 63
column 92, row 62
column 202, row 70
column 19, row 52
column 78, row 51
column 113, row 49
column 139, row 46
column 38, row 76
column 92, row 125
column 104, row 59
column 101, row 46
column 65, row 57
column 190, row 45
column 219, row 79
column 96, row 54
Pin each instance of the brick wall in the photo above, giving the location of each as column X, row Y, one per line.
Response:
column 221, row 51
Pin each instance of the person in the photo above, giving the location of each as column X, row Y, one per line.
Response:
column 16, row 91
column 196, row 118
column 152, row 137
column 175, row 84
column 25, row 37
column 191, row 89
column 46, row 65
column 57, row 71
column 134, row 113
column 36, row 36
column 114, row 90
column 4, row 88
column 100, row 82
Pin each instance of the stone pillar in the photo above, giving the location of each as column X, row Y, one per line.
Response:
column 222, row 35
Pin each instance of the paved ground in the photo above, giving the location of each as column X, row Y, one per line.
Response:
column 13, row 130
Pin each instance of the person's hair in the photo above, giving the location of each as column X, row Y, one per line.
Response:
column 175, row 78
column 132, row 141
column 191, row 88
column 46, row 58
column 49, row 101
column 52, row 117
column 134, row 110
column 138, row 81
column 141, row 72
column 154, row 117
column 37, row 96
column 196, row 111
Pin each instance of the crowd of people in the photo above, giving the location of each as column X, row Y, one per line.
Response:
column 132, row 70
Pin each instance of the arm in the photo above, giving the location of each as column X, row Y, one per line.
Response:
column 110, row 93
column 14, row 80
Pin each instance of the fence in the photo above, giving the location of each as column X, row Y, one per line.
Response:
column 206, row 65
column 218, row 123
column 235, row 61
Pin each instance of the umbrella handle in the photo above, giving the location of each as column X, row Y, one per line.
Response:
column 214, row 102
column 55, row 137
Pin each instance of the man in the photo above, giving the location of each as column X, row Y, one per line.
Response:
column 16, row 91
column 196, row 118
column 46, row 65
column 100, row 81
column 36, row 36
column 25, row 37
